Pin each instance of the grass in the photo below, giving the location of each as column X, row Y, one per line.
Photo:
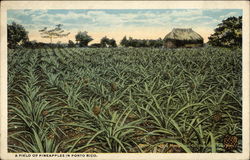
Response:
column 148, row 100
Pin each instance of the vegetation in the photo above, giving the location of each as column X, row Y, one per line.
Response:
column 96, row 45
column 57, row 32
column 141, row 42
column 82, row 38
column 106, row 42
column 35, row 44
column 17, row 35
column 124, row 100
column 228, row 33
column 71, row 44
column 62, row 98
column 124, row 42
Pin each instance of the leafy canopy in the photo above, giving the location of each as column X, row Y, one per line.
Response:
column 83, row 38
column 228, row 33
column 106, row 42
column 17, row 35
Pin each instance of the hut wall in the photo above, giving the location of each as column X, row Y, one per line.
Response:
column 170, row 44
column 182, row 43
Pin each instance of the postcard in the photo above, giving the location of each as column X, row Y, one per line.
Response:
column 109, row 80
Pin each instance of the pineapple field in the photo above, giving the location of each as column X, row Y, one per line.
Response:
column 125, row 100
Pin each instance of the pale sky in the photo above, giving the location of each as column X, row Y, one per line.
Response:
column 116, row 23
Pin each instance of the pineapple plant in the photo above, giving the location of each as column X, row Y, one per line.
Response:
column 96, row 110
column 151, row 91
column 45, row 112
column 166, row 75
column 113, row 86
column 217, row 117
column 174, row 148
column 85, row 81
column 192, row 86
column 230, row 142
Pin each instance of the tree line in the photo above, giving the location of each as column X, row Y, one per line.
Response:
column 227, row 34
column 82, row 39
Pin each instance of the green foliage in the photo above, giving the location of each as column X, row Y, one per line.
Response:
column 71, row 44
column 111, row 133
column 148, row 100
column 82, row 38
column 17, row 35
column 141, row 42
column 228, row 33
column 31, row 44
column 124, row 42
column 106, row 42
column 112, row 43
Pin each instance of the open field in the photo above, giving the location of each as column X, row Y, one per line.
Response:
column 125, row 100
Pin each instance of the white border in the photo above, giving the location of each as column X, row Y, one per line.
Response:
column 130, row 5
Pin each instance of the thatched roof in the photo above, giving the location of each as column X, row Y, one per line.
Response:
column 186, row 34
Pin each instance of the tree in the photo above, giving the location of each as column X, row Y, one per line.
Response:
column 124, row 42
column 82, row 38
column 71, row 44
column 112, row 43
column 228, row 33
column 106, row 42
column 158, row 43
column 17, row 35
column 132, row 42
column 57, row 32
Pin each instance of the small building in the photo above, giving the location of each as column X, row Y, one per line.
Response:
column 182, row 37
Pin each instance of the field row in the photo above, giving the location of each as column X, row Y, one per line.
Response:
column 125, row 100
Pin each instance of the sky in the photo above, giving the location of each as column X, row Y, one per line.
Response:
column 117, row 23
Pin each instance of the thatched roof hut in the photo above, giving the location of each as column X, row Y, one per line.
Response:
column 183, row 37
